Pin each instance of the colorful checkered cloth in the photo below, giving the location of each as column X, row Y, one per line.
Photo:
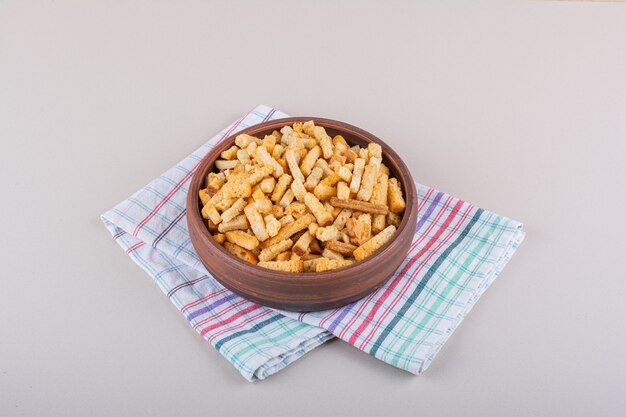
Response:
column 457, row 252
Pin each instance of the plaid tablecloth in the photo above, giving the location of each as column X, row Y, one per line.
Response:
column 457, row 251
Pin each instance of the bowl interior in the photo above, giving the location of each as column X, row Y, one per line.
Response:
column 354, row 136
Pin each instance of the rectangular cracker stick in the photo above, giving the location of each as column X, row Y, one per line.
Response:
column 230, row 153
column 271, row 225
column 241, row 253
column 394, row 194
column 326, row 143
column 258, row 194
column 283, row 164
column 309, row 142
column 286, row 220
column 219, row 238
column 287, row 198
column 301, row 246
column 243, row 140
column 327, row 233
column 290, row 229
column 357, row 205
column 295, row 265
column 287, row 135
column 281, row 187
column 350, row 155
column 238, row 223
column 263, row 206
column 340, row 160
column 214, row 183
column 234, row 210
column 298, row 127
column 383, row 169
column 272, row 252
column 237, row 187
column 292, row 162
column 340, row 148
column 366, row 220
column 308, row 127
column 204, row 197
column 330, row 264
column 295, row 208
column 268, row 184
column 257, row 224
column 324, row 192
column 242, row 239
column 379, row 196
column 214, row 175
column 394, row 219
column 222, row 164
column 357, row 172
column 223, row 204
column 343, row 190
column 251, row 149
column 345, row 174
column 240, row 169
column 308, row 162
column 258, row 174
column 367, row 183
column 323, row 217
column 266, row 159
column 210, row 212
column 375, row 162
column 359, row 231
column 298, row 189
column 285, row 256
column 375, row 243
column 277, row 211
column 340, row 139
column 313, row 179
column 326, row 188
column 321, row 163
column 331, row 180
column 309, row 256
column 342, row 217
column 310, row 264
column 331, row 254
column 278, row 151
column 269, row 141
column 344, row 249
column 243, row 157
column 374, row 150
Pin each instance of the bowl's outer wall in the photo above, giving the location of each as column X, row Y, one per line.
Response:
column 310, row 291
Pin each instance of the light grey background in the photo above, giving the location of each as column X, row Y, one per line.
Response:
column 518, row 108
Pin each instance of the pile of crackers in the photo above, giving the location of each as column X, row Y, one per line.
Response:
column 299, row 200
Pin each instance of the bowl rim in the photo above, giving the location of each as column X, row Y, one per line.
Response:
column 207, row 163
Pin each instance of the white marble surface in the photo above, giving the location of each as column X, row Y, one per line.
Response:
column 518, row 108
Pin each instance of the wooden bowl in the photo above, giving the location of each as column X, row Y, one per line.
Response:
column 303, row 291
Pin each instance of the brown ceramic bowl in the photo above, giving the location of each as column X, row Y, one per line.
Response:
column 305, row 291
